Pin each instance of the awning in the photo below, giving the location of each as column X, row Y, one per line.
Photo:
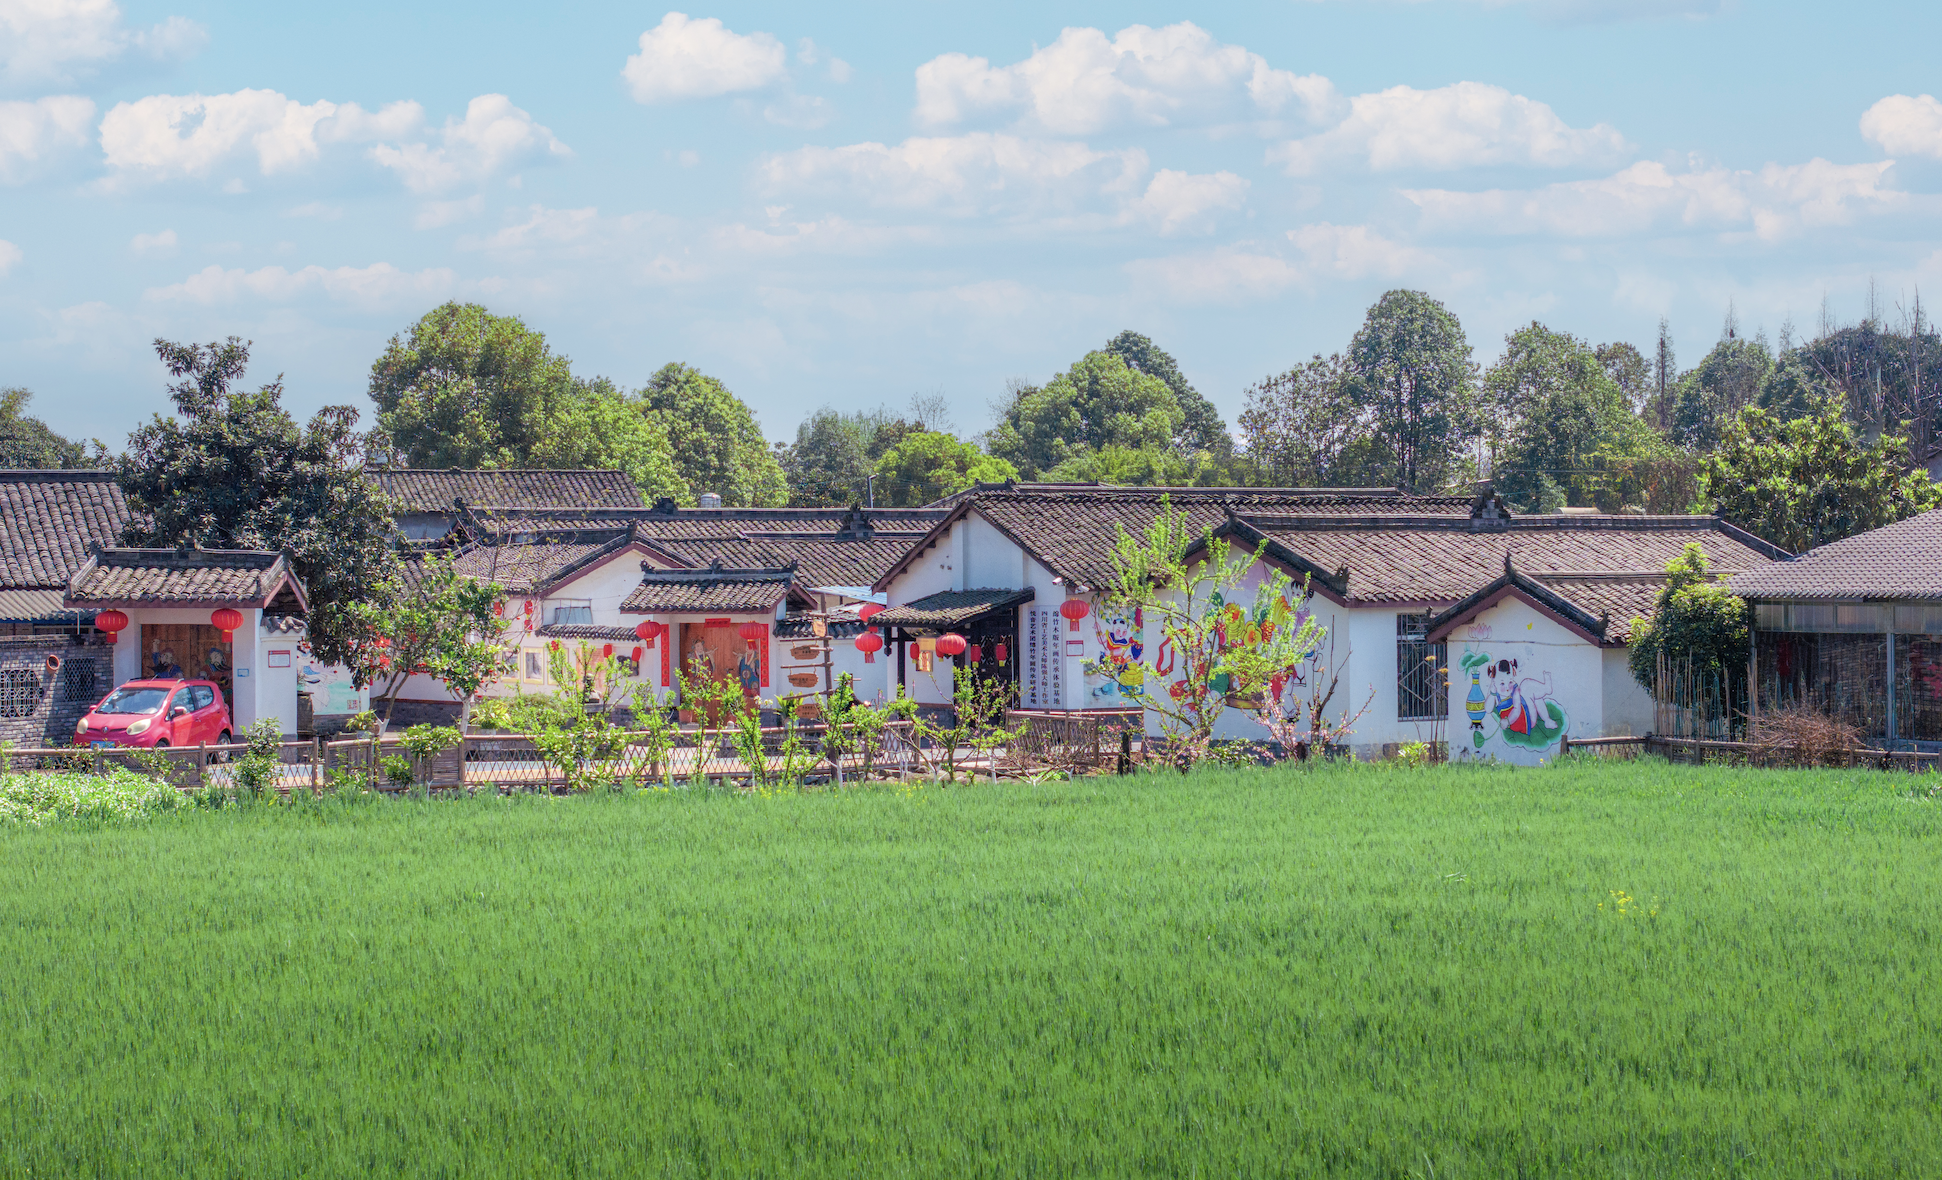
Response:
column 38, row 606
column 950, row 609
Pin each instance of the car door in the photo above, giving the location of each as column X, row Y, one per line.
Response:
column 180, row 730
column 204, row 727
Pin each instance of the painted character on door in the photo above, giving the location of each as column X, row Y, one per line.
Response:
column 1122, row 641
column 748, row 669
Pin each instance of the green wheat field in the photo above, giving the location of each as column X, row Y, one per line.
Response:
column 1582, row 970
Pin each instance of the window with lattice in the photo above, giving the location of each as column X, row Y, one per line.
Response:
column 1420, row 693
column 19, row 692
column 80, row 682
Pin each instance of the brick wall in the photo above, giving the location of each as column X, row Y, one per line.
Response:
column 41, row 708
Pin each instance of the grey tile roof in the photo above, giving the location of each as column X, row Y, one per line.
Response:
column 588, row 631
column 1901, row 560
column 213, row 577
column 950, row 608
column 522, row 569
column 50, row 520
column 720, row 590
column 36, row 605
column 424, row 489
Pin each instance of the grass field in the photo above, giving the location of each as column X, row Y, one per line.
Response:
column 1618, row 970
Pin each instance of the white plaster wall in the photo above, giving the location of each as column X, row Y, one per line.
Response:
column 928, row 573
column 992, row 561
column 1628, row 707
column 276, row 694
column 1554, row 666
column 606, row 585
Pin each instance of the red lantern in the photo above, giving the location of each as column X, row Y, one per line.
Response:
column 869, row 610
column 227, row 620
column 1000, row 652
column 648, row 631
column 950, row 644
column 637, row 657
column 1074, row 609
column 869, row 643
column 974, row 654
column 529, row 606
column 752, row 632
column 607, row 652
column 111, row 621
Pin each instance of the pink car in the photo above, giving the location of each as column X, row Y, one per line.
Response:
column 151, row 714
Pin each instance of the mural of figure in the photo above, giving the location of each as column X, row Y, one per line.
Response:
column 700, row 663
column 1122, row 641
column 748, row 670
column 1528, row 713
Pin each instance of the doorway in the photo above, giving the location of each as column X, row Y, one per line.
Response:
column 194, row 651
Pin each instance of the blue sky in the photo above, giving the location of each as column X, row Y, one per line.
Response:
column 851, row 206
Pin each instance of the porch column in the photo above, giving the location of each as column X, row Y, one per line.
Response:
column 1890, row 636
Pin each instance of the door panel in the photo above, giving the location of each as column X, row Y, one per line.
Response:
column 195, row 648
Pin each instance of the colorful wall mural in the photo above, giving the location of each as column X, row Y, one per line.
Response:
column 1515, row 690
column 1118, row 677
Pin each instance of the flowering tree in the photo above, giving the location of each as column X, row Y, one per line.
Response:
column 433, row 621
column 1227, row 647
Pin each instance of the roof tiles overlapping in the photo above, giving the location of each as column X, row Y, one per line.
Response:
column 1901, row 560
column 161, row 577
column 724, row 591
column 51, row 520
column 426, row 489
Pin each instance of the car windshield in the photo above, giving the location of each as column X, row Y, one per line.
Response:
column 133, row 699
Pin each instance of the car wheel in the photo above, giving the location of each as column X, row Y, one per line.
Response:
column 221, row 755
column 163, row 744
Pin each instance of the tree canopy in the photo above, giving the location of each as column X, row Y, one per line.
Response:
column 1097, row 403
column 927, row 465
column 1202, row 428
column 1297, row 426
column 1697, row 623
column 1559, row 414
column 1811, row 480
column 1410, row 376
column 717, row 444
column 28, row 442
column 233, row 470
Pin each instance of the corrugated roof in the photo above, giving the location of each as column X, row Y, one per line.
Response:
column 37, row 605
column 1901, row 560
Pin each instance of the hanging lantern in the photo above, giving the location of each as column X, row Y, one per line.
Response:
column 975, row 653
column 227, row 620
column 869, row 643
column 752, row 632
column 869, row 610
column 637, row 657
column 111, row 621
column 950, row 644
column 1074, row 609
column 529, row 606
column 607, row 652
column 648, row 631
column 1000, row 652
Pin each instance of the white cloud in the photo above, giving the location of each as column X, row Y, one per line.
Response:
column 797, row 110
column 959, row 174
column 169, row 136
column 55, row 41
column 156, row 245
column 1459, row 126
column 10, row 255
column 1354, row 252
column 377, row 285
column 686, row 58
column 1233, row 274
column 494, row 135
column 1083, row 83
column 1901, row 125
column 30, row 132
column 1183, row 202
column 434, row 214
column 1772, row 203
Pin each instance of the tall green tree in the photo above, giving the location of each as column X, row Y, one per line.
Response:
column 1712, row 392
column 1885, row 378
column 718, row 446
column 1297, row 425
column 233, row 470
column 1811, row 480
column 28, row 442
column 1097, row 403
column 1562, row 414
column 928, row 465
column 1698, row 624
column 1201, row 426
column 833, row 457
column 1411, row 377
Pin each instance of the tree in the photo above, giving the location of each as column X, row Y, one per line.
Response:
column 929, row 465
column 1202, row 428
column 1629, row 370
column 1410, row 375
column 718, row 446
column 466, row 388
column 1812, row 480
column 1149, row 467
column 1297, row 425
column 28, row 443
column 1697, row 624
column 833, row 457
column 431, row 621
column 1098, row 402
column 1709, row 395
column 1874, row 371
column 234, row 471
column 1563, row 415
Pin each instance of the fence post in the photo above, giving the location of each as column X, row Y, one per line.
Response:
column 1564, row 746
column 202, row 764
column 1125, row 752
column 98, row 772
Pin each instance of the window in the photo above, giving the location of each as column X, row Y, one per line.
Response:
column 572, row 611
column 1421, row 694
column 80, row 681
column 535, row 669
column 204, row 697
column 19, row 692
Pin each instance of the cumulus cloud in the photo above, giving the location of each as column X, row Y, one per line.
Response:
column 1772, row 203
column 1905, row 126
column 1354, row 252
column 155, row 245
column 686, row 58
column 377, row 285
column 172, row 136
column 1184, row 202
column 494, row 136
column 1232, row 274
column 32, row 132
column 56, row 41
column 10, row 255
column 1084, row 83
column 1459, row 126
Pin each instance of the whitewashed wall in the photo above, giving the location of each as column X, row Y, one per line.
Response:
column 1555, row 688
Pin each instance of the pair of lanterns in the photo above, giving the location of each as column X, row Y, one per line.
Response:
column 226, row 620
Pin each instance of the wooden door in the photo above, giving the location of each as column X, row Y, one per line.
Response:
column 194, row 651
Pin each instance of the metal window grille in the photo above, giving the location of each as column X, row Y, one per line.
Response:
column 19, row 692
column 1420, row 691
column 80, row 681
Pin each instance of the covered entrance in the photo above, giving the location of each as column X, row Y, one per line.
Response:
column 987, row 619
column 195, row 651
